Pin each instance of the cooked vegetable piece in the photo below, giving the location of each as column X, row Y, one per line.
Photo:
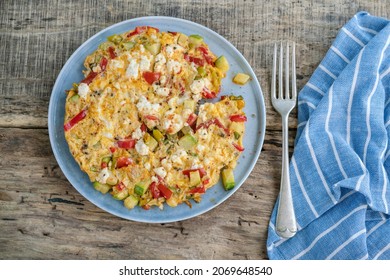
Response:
column 195, row 178
column 222, row 64
column 158, row 135
column 153, row 48
column 228, row 178
column 182, row 40
column 141, row 187
column 150, row 141
column 75, row 98
column 120, row 193
column 195, row 40
column 115, row 38
column 103, row 188
column 187, row 142
column 241, row 78
column 131, row 201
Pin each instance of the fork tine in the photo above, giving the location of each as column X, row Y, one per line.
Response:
column 273, row 87
column 293, row 74
column 287, row 74
column 281, row 72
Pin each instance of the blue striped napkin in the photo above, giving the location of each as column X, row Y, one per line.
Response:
column 341, row 161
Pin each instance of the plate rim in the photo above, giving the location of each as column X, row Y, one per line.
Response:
column 261, row 119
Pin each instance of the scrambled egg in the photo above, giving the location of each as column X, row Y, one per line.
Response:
column 135, row 126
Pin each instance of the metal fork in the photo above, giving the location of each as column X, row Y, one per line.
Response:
column 284, row 102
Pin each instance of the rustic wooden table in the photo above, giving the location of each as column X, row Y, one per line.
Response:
column 43, row 217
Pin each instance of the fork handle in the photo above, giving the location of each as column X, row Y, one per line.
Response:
column 286, row 226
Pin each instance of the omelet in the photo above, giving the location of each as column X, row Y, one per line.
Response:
column 136, row 126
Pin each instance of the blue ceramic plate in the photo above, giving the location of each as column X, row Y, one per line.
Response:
column 253, row 140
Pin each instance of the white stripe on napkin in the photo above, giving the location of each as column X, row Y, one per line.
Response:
column 303, row 252
column 384, row 249
column 352, row 92
column 353, row 37
column 352, row 238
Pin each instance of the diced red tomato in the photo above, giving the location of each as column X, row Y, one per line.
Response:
column 218, row 123
column 123, row 162
column 140, row 29
column 206, row 93
column 202, row 172
column 103, row 63
column 192, row 119
column 151, row 118
column 75, row 120
column 120, row 186
column 206, row 181
column 151, row 77
column 198, row 61
column 144, row 127
column 103, row 165
column 111, row 52
column 223, row 97
column 200, row 189
column 215, row 121
column 126, row 143
column 203, row 49
column 167, row 193
column 154, row 190
column 238, row 118
column 112, row 149
column 206, row 55
column 238, row 147
column 172, row 32
column 146, row 207
column 87, row 80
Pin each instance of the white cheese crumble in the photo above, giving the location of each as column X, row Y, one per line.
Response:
column 117, row 63
column 147, row 108
column 162, row 91
column 202, row 116
column 172, row 122
column 147, row 165
column 144, row 64
column 137, row 134
column 200, row 148
column 141, row 148
column 203, row 134
column 172, row 102
column 179, row 156
column 173, row 66
column 163, row 80
column 160, row 171
column 172, row 48
column 167, row 165
column 132, row 70
column 108, row 135
column 83, row 90
column 97, row 69
column 160, row 63
column 103, row 176
column 197, row 86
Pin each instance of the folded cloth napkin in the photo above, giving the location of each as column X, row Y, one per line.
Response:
column 341, row 162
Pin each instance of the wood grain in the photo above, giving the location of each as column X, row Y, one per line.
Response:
column 43, row 217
